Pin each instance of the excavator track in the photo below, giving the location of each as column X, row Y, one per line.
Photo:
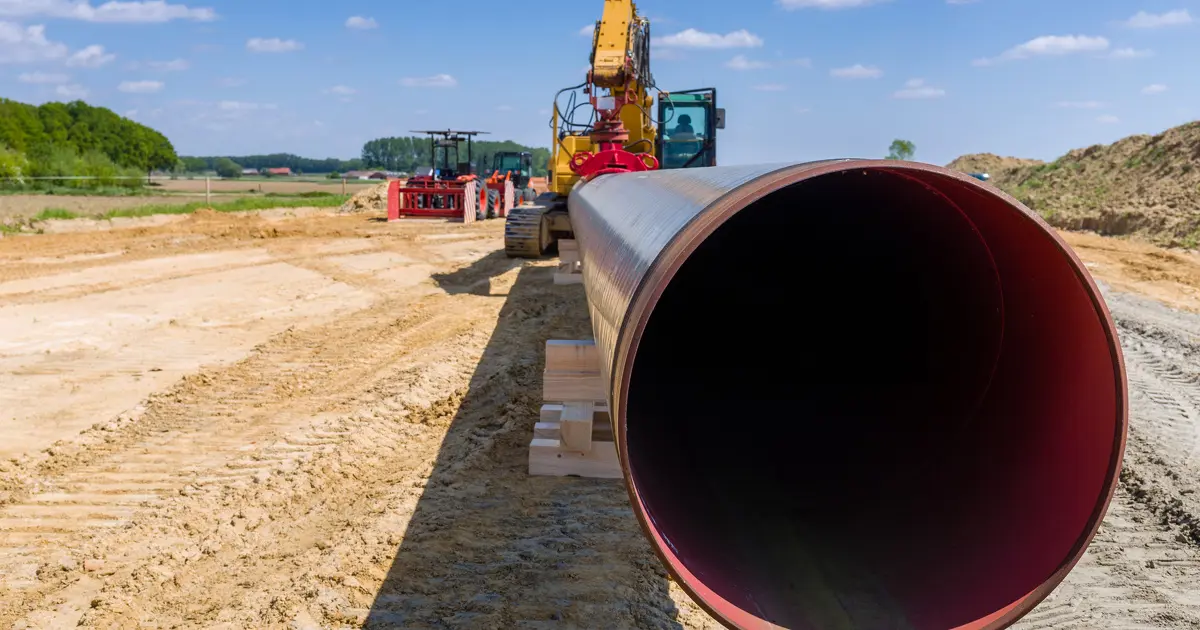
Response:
column 526, row 232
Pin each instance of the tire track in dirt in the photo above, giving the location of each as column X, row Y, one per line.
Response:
column 1143, row 567
column 226, row 429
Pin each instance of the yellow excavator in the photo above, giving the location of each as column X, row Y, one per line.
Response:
column 615, row 133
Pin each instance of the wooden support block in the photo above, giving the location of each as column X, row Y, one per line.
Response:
column 569, row 257
column 547, row 431
column 576, row 426
column 568, row 278
column 575, row 386
column 601, row 431
column 551, row 413
column 567, row 245
column 572, row 356
column 547, row 458
column 548, row 426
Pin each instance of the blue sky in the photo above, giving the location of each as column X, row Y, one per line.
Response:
column 800, row 79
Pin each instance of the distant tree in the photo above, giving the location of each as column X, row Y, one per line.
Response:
column 901, row 150
column 14, row 168
column 406, row 154
column 227, row 168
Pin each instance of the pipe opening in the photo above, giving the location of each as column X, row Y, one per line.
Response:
column 874, row 398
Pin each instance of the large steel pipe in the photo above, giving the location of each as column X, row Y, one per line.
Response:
column 852, row 394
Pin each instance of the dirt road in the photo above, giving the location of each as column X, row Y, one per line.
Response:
column 322, row 421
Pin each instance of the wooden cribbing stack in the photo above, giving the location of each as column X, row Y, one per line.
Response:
column 574, row 436
column 570, row 269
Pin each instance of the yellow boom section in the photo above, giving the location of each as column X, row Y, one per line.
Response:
column 612, row 47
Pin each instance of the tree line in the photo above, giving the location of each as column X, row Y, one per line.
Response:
column 408, row 153
column 76, row 139
column 275, row 160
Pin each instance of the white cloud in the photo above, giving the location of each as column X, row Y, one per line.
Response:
column 1157, row 20
column 588, row 30
column 130, row 113
column 1130, row 53
column 692, row 38
column 1155, row 88
column 231, row 82
column 792, row 5
column 1049, row 45
column 230, row 111
column 857, row 71
column 175, row 65
column 43, row 78
column 961, row 1
column 917, row 89
column 504, row 108
column 1079, row 104
column 140, row 87
column 803, row 62
column 90, row 57
column 1108, row 119
column 239, row 106
column 72, row 91
column 20, row 44
column 273, row 45
column 436, row 81
column 740, row 62
column 112, row 12
column 341, row 90
column 771, row 87
column 360, row 22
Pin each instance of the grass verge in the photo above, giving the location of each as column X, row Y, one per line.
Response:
column 244, row 204
column 237, row 205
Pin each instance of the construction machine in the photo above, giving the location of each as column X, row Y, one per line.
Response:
column 508, row 167
column 619, row 134
column 447, row 189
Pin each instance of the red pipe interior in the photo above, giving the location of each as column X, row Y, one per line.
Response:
column 878, row 398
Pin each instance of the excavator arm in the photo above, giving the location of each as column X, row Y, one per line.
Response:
column 618, row 87
column 621, row 48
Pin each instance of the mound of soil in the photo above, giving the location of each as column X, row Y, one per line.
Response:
column 373, row 199
column 1143, row 185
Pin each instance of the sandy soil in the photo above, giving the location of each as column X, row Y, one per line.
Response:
column 320, row 421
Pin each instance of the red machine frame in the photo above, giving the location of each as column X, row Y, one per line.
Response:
column 435, row 196
column 456, row 199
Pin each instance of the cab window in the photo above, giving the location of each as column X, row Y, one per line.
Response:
column 684, row 129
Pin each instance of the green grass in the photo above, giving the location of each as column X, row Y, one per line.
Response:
column 313, row 194
column 55, row 213
column 237, row 205
column 108, row 191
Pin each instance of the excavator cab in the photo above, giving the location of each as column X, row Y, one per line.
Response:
column 687, row 129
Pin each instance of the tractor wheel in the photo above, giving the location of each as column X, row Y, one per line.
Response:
column 493, row 205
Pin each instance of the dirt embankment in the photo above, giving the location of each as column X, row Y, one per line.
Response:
column 1143, row 185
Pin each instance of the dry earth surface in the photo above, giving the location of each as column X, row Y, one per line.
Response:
column 304, row 419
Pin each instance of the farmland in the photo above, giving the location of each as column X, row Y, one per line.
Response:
column 173, row 191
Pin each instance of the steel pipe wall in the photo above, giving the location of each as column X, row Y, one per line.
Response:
column 850, row 393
